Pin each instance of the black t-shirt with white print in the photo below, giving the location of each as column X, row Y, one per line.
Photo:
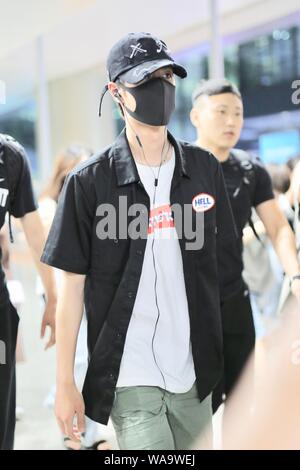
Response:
column 16, row 192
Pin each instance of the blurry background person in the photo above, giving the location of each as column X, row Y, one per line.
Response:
column 264, row 275
column 63, row 164
column 18, row 200
column 286, row 301
column 17, row 297
column 263, row 272
column 265, row 283
column 95, row 434
column 217, row 114
column 287, row 199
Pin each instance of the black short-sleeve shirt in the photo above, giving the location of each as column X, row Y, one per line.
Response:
column 113, row 265
column 70, row 243
column 16, row 192
column 243, row 197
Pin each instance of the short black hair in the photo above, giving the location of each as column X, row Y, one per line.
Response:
column 215, row 86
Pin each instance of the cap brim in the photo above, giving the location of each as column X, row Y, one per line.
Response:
column 144, row 70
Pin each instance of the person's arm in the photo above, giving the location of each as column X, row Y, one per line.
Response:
column 4, row 244
column 35, row 237
column 68, row 248
column 249, row 235
column 69, row 402
column 24, row 208
column 283, row 240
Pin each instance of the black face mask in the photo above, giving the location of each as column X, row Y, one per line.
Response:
column 155, row 102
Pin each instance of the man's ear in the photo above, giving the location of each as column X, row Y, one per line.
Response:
column 113, row 89
column 194, row 117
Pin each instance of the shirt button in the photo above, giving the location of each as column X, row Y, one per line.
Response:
column 139, row 252
column 119, row 335
column 130, row 295
column 116, row 241
column 111, row 376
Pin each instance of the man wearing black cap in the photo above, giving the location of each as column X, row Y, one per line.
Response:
column 136, row 232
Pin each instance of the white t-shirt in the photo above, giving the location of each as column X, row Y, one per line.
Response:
column 171, row 353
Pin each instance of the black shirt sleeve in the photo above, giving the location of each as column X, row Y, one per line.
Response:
column 263, row 185
column 22, row 200
column 69, row 242
column 226, row 228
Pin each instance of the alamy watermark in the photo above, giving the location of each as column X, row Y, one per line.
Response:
column 296, row 94
column 135, row 222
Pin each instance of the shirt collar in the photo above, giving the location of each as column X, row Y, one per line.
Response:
column 125, row 166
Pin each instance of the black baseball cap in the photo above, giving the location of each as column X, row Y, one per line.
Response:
column 136, row 56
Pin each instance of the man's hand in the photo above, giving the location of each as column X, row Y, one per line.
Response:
column 68, row 405
column 49, row 320
column 295, row 288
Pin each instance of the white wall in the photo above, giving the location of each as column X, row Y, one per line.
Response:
column 74, row 103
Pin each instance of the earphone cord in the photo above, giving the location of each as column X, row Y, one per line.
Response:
column 154, row 262
column 158, row 313
column 156, row 177
column 155, row 285
column 144, row 155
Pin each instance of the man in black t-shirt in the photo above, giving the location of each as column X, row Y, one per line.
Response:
column 16, row 198
column 217, row 115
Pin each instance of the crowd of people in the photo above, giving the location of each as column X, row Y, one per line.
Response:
column 155, row 306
